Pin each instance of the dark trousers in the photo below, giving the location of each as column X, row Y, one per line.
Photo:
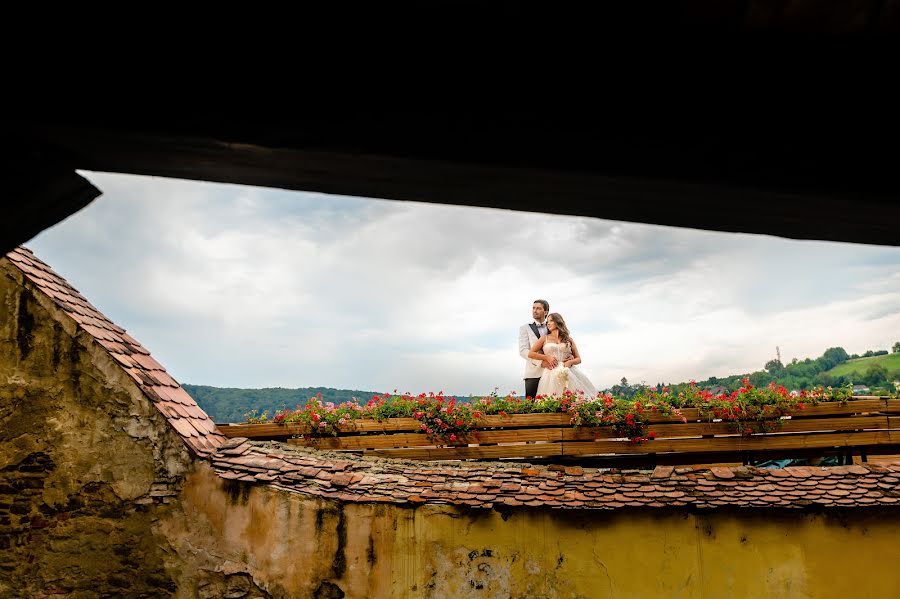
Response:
column 531, row 386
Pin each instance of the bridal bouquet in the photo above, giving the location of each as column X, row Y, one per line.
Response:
column 562, row 374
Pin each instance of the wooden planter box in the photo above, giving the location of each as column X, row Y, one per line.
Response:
column 862, row 422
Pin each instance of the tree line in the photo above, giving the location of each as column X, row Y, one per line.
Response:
column 796, row 375
column 224, row 404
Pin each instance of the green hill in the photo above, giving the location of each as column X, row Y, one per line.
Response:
column 859, row 366
column 225, row 404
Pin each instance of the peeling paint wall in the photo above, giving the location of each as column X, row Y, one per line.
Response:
column 294, row 546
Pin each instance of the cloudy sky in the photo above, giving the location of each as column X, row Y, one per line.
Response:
column 247, row 287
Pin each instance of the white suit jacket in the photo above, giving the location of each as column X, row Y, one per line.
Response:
column 533, row 368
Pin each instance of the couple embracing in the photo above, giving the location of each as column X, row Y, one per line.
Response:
column 551, row 356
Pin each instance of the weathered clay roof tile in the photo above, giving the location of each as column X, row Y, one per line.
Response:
column 335, row 476
column 195, row 427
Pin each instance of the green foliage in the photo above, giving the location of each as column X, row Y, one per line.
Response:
column 854, row 370
column 774, row 366
column 225, row 404
column 834, row 368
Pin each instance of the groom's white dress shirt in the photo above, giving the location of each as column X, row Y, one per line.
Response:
column 533, row 368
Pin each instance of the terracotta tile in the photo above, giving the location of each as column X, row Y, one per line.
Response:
column 94, row 331
column 183, row 426
column 722, row 472
column 161, row 376
column 203, row 425
column 876, row 468
column 123, row 360
column 798, row 471
column 167, row 409
column 181, row 396
column 148, row 362
column 135, row 347
column 196, row 412
column 235, row 442
column 636, row 479
column 574, row 470
column 179, row 410
column 238, row 450
column 509, row 501
column 116, row 348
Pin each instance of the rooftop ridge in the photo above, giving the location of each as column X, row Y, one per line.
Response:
column 196, row 428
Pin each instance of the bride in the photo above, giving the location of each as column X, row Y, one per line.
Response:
column 560, row 357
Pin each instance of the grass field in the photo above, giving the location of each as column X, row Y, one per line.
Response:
column 891, row 362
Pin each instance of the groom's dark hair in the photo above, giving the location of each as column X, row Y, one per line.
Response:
column 544, row 303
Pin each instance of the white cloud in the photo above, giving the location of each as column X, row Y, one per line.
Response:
column 238, row 286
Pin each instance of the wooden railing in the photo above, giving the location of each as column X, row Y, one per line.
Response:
column 864, row 422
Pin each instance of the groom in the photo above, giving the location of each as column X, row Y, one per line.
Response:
column 528, row 335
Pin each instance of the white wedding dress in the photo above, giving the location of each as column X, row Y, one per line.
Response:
column 554, row 382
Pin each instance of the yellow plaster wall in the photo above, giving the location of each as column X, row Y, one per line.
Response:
column 294, row 546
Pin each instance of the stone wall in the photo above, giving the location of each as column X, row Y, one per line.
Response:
column 87, row 464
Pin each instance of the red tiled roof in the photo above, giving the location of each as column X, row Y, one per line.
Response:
column 193, row 424
column 347, row 478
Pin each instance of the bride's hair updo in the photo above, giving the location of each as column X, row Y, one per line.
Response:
column 561, row 327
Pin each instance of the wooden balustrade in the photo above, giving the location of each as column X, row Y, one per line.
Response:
column 860, row 423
